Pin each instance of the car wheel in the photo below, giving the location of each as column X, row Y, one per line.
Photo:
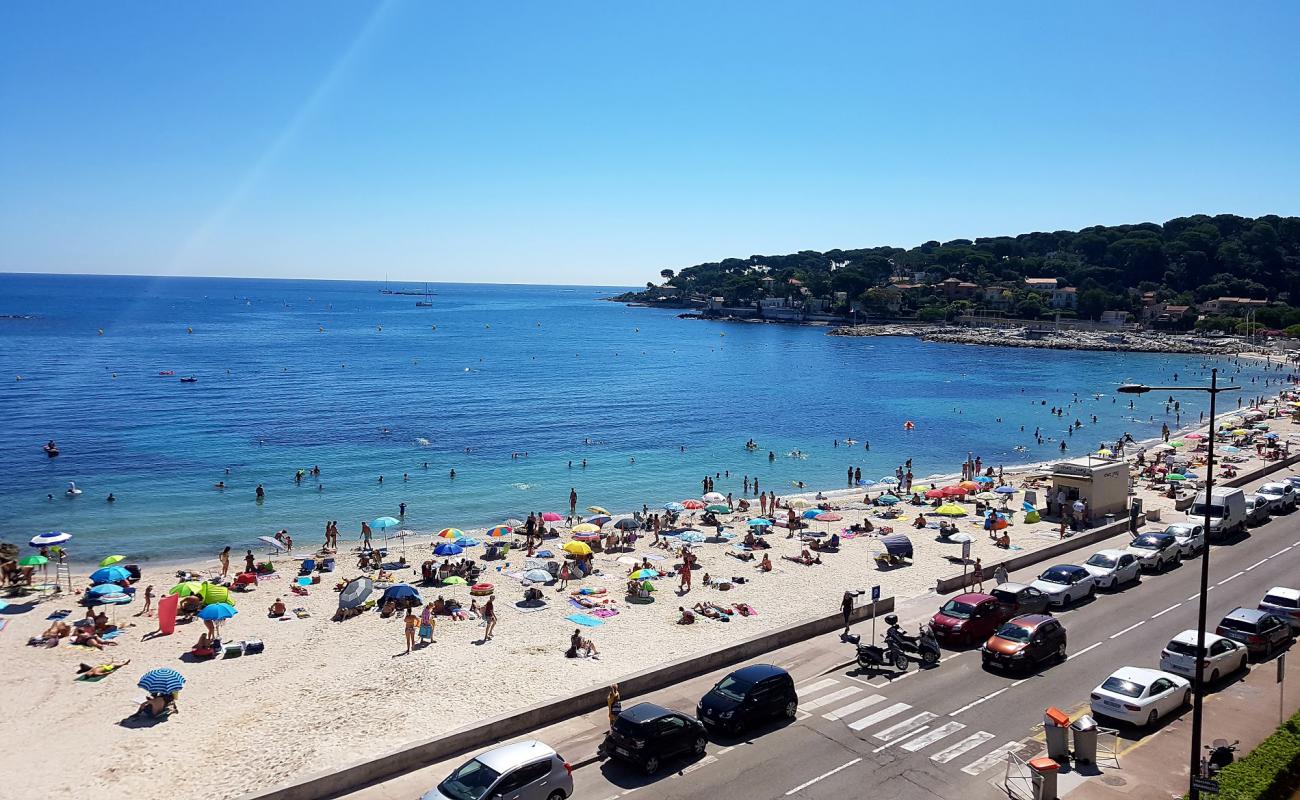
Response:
column 791, row 708
column 1060, row 652
column 1187, row 698
column 1214, row 676
column 700, row 744
column 1152, row 718
column 651, row 764
column 555, row 795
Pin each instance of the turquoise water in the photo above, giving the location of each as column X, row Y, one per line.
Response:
column 293, row 374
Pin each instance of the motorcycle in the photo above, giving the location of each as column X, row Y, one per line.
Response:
column 873, row 657
column 1220, row 756
column 923, row 647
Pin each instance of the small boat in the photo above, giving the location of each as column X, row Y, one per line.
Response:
column 166, row 372
column 189, row 379
column 427, row 302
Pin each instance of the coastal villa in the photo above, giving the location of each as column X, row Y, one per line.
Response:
column 1065, row 297
column 1041, row 285
column 954, row 289
column 1114, row 318
column 1230, row 305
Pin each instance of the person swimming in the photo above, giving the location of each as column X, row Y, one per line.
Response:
column 72, row 490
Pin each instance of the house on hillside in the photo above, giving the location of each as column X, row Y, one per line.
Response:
column 1065, row 297
column 1041, row 285
column 997, row 297
column 1230, row 305
column 1114, row 318
column 954, row 289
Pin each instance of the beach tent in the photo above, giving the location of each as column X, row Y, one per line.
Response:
column 897, row 545
column 401, row 593
column 356, row 592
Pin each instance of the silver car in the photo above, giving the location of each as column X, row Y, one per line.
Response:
column 526, row 770
column 1190, row 537
column 1257, row 509
column 1281, row 497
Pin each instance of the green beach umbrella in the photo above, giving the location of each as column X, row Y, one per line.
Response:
column 212, row 593
column 455, row 580
column 111, row 560
column 33, row 561
column 1175, row 477
column 718, row 508
column 186, row 589
column 1177, row 443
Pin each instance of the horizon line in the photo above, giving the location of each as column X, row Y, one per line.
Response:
column 7, row 273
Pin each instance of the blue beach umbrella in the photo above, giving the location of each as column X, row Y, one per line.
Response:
column 448, row 549
column 467, row 542
column 887, row 500
column 1006, row 490
column 759, row 522
column 384, row 523
column 399, row 591
column 105, row 588
column 890, row 480
column 674, row 507
column 692, row 536
column 47, row 539
column 811, row 513
column 217, row 612
column 163, row 680
column 983, row 479
column 111, row 574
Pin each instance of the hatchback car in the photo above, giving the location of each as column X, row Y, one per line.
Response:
column 1025, row 642
column 1257, row 509
column 748, row 697
column 1189, row 535
column 1110, row 568
column 1284, row 602
column 520, row 771
column 1017, row 599
column 1065, row 584
column 647, row 735
column 1281, row 497
column 1261, row 632
column 968, row 618
column 1224, row 656
column 1140, row 696
column 1155, row 551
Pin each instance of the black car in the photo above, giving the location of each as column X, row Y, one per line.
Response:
column 647, row 734
column 1262, row 633
column 748, row 696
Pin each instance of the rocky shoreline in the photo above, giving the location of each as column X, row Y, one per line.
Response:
column 1116, row 341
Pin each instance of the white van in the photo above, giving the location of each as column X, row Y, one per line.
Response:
column 1227, row 512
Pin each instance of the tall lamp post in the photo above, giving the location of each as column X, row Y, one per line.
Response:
column 1198, row 685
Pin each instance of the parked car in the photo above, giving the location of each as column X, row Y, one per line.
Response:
column 1224, row 656
column 1294, row 480
column 1140, row 696
column 1227, row 510
column 747, row 697
column 1189, row 535
column 1064, row 584
column 968, row 618
column 1155, row 551
column 1025, row 642
column 1262, row 633
column 1018, row 598
column 1283, row 602
column 1257, row 509
column 526, row 770
column 1281, row 497
column 647, row 735
column 1110, row 568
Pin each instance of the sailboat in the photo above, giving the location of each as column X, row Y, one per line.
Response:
column 427, row 302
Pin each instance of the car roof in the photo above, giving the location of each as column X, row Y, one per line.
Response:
column 1113, row 553
column 1245, row 614
column 757, row 672
column 1282, row 591
column 1159, row 537
column 973, row 598
column 1189, row 637
column 1179, row 525
column 1070, row 567
column 508, row 756
column 1278, row 486
column 645, row 712
column 1030, row 621
column 1141, row 675
column 1010, row 586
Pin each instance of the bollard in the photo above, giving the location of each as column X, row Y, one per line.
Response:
column 1085, row 740
column 1042, row 771
column 1056, row 726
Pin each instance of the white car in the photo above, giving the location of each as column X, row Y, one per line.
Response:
column 1155, row 551
column 1065, row 584
column 1190, row 537
column 1110, row 568
column 1283, row 602
column 527, row 770
column 1281, row 496
column 1224, row 656
column 1294, row 480
column 1257, row 509
column 1140, row 696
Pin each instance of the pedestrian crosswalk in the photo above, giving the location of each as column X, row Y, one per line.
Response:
column 901, row 726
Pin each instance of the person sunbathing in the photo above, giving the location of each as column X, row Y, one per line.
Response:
column 707, row 610
column 100, row 670
column 389, row 609
column 56, row 631
column 687, row 617
column 766, row 564
column 745, row 609
column 204, row 642
column 579, row 645
column 919, row 522
column 156, row 705
column 1004, row 541
column 88, row 637
column 102, row 625
column 806, row 558
column 277, row 608
column 740, row 555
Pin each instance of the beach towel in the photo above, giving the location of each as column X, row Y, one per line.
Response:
column 111, row 634
column 653, row 556
column 583, row 619
column 604, row 613
column 301, row 613
column 544, row 554
column 59, row 614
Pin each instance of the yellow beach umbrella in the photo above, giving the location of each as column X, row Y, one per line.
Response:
column 950, row 510
column 584, row 527
column 1240, row 432
column 577, row 549
column 1105, row 452
column 597, row 510
column 110, row 560
column 798, row 502
column 212, row 593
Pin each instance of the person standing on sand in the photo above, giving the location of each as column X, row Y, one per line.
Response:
column 412, row 622
column 614, row 702
column 365, row 535
column 685, row 585
column 148, row 600
column 249, row 562
column 490, row 617
column 564, row 576
column 224, row 558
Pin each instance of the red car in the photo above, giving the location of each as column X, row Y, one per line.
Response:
column 968, row 618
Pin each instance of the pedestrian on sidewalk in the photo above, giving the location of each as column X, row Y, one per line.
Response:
column 615, row 703
column 846, row 608
column 977, row 577
column 1000, row 574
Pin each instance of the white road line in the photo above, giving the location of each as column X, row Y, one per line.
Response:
column 898, row 739
column 1166, row 611
column 969, row 743
column 1084, row 650
column 892, row 681
column 984, row 762
column 925, row 740
column 1280, row 552
column 1198, row 594
column 905, row 727
column 1014, row 684
column 969, row 706
column 883, row 714
column 951, row 657
column 1229, row 578
column 823, row 776
column 815, row 686
column 1126, row 630
column 725, row 750
column 703, row 762
column 1256, row 564
column 827, row 699
column 858, row 705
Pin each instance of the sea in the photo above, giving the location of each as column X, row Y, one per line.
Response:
column 523, row 391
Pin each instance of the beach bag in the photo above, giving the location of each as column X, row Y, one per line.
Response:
column 253, row 646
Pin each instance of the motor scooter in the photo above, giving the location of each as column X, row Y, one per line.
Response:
column 874, row 657
column 923, row 647
column 1220, row 756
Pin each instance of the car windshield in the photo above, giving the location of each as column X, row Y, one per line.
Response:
column 953, row 608
column 1181, row 648
column 1198, row 510
column 1281, row 602
column 1126, row 688
column 1013, row 633
column 733, row 689
column 1057, row 575
column 1102, row 560
column 1269, row 491
column 470, row 782
column 1147, row 543
column 1003, row 596
column 1242, row 625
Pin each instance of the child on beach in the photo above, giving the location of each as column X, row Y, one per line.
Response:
column 148, row 602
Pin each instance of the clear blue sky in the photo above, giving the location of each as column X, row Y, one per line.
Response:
column 598, row 142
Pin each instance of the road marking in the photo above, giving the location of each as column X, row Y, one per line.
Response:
column 703, row 762
column 726, row 750
column 1256, row 564
column 891, row 681
column 858, row 705
column 1126, row 630
column 815, row 686
column 898, row 739
column 969, row 743
column 1230, row 577
column 951, row 657
column 823, row 776
column 969, row 706
column 1166, row 611
column 1014, row 684
column 1084, row 650
column 883, row 714
column 905, row 727
column 993, row 757
column 1198, row 594
column 827, row 699
column 923, row 741
column 1280, row 552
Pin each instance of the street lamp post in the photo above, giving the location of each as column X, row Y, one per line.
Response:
column 1198, row 684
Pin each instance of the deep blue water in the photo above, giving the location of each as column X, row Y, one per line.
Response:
column 293, row 374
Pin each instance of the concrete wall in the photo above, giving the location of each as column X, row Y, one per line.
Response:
column 491, row 731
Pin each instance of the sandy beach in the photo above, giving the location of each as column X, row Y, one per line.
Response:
column 324, row 693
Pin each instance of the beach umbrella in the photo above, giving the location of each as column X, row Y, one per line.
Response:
column 811, row 513
column 356, row 592
column 1270, row 436
column 888, row 500
column 693, row 505
column 448, row 549
column 759, row 522
column 105, row 588
column 987, row 496
column 468, row 541
column 585, row 527
column 1174, row 477
column 798, row 502
column 111, row 560
column 1006, row 490
column 828, row 516
column 950, row 510
column 627, row 524
column 512, row 523
column 1240, row 432
column 970, row 486
column 47, row 539
column 384, row 523
column 961, row 537
column 551, row 516
column 983, row 479
column 537, row 576
column 216, row 612
column 933, row 494
column 576, row 548
column 691, row 536
column 597, row 510
column 890, row 480
column 1194, row 436
column 114, row 599
column 718, row 508
column 113, row 574
column 1177, row 443
column 451, row 533
column 186, row 588
column 33, row 561
column 643, row 574
column 271, row 541
column 499, row 532
column 674, row 507
column 400, row 591
column 215, row 594
column 455, row 580
column 599, row 520
column 163, row 680
column 1105, row 452
column 1227, row 448
column 714, row 497
column 953, row 491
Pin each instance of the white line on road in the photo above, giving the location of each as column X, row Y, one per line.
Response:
column 1256, row 564
column 921, row 742
column 725, row 750
column 954, row 655
column 1230, row 577
column 1166, row 611
column 892, row 681
column 1014, row 684
column 969, row 743
column 1198, row 594
column 1280, row 552
column 703, row 762
column 883, row 714
column 815, row 686
column 1084, row 650
column 824, row 776
column 1126, row 630
column 988, row 760
column 827, row 699
column 895, row 741
column 905, row 727
column 858, row 705
column 969, row 706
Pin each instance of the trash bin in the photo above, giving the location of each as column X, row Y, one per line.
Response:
column 1042, row 773
column 1056, row 725
column 1085, row 740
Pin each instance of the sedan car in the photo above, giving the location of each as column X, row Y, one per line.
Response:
column 1189, row 535
column 526, row 770
column 1017, row 598
column 647, row 734
column 1065, row 584
column 1140, row 696
column 1281, row 497
column 1224, row 656
column 1025, row 642
column 1283, row 602
column 1155, row 551
column 1262, row 633
column 747, row 697
column 968, row 618
column 1110, row 568
column 1257, row 509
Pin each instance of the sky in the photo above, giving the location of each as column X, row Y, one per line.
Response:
column 600, row 142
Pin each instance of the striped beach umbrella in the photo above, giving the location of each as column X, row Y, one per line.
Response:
column 47, row 539
column 451, row 533
column 163, row 680
column 499, row 532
